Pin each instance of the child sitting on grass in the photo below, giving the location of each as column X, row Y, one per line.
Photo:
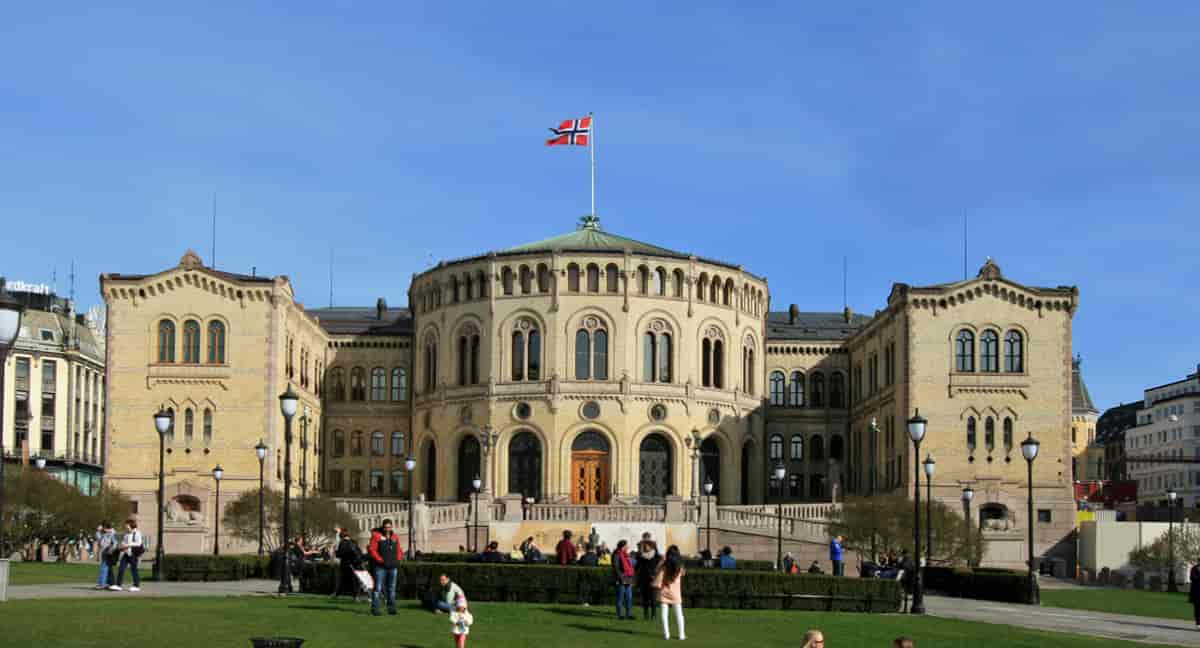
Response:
column 460, row 622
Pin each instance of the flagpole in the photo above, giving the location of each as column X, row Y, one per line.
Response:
column 592, row 152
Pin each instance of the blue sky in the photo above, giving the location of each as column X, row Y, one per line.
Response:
column 776, row 135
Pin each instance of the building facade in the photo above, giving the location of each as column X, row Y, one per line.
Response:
column 591, row 368
column 1163, row 451
column 54, row 395
column 1111, row 428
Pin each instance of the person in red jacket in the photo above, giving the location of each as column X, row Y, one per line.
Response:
column 386, row 555
column 565, row 550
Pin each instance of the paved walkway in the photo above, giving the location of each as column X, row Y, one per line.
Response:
column 173, row 589
column 1081, row 622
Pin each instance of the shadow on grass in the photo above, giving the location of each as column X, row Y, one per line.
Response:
column 587, row 628
column 364, row 609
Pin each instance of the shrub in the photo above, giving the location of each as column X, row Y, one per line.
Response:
column 702, row 588
column 203, row 567
column 984, row 584
column 692, row 563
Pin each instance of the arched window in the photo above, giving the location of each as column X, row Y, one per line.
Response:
column 474, row 359
column 611, row 277
column 166, row 341
column 526, row 352
column 399, row 384
column 583, row 349
column 506, row 280
column 339, row 443
column 593, row 277
column 797, row 448
column 837, row 389
column 468, row 356
column 468, row 286
column 377, row 443
column 971, row 438
column 989, row 351
column 664, row 358
column 714, row 290
column 482, row 283
column 543, row 278
column 216, row 342
column 649, row 357
column 964, row 351
column 775, row 448
column 989, row 434
column 526, row 277
column 836, row 447
column 208, row 427
column 191, row 342
column 358, row 384
column 816, row 389
column 189, row 426
column 1008, row 434
column 431, row 362
column 748, row 369
column 660, row 282
column 525, row 465
column 718, row 364
column 817, row 453
column 778, row 387
column 573, row 278
column 728, row 292
column 702, row 287
column 356, row 443
column 795, row 396
column 643, row 280
column 397, row 444
column 706, row 362
column 1014, row 360
column 677, row 283
column 337, row 384
column 600, row 355
column 378, row 384
column 455, row 296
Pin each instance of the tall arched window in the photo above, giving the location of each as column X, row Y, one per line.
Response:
column 191, row 342
column 989, row 351
column 797, row 449
column 1014, row 360
column 714, row 290
column 356, row 443
column 643, row 273
column 166, row 341
column 208, row 427
column 189, row 426
column 583, row 350
column 455, row 294
column 468, row 356
column 775, row 448
column 837, row 390
column 816, row 389
column 677, row 283
column 817, row 451
column 971, row 438
column 612, row 274
column 660, row 281
column 728, row 292
column 378, row 384
column 399, row 384
column 216, row 342
column 526, row 277
column 1008, row 434
column 358, row 384
column 706, row 362
column 593, row 277
column 657, row 361
column 474, row 359
column 337, row 384
column 573, row 278
column 397, row 444
column 339, row 443
column 702, row 287
column 543, row 278
column 506, row 280
column 649, row 357
column 664, row 358
column 526, row 352
column 600, row 355
column 377, row 443
column 718, row 364
column 431, row 362
column 796, row 390
column 989, row 434
column 482, row 283
column 778, row 387
column 748, row 368
column 964, row 351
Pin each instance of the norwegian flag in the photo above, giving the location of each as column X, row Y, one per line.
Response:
column 572, row 132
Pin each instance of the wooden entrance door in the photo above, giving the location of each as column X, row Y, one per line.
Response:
column 589, row 477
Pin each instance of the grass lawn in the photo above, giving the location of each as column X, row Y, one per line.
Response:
column 1118, row 601
column 36, row 573
column 127, row 620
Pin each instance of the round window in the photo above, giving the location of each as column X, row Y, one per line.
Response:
column 714, row 416
column 591, row 410
column 522, row 411
column 658, row 411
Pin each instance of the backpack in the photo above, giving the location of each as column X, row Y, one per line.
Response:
column 140, row 549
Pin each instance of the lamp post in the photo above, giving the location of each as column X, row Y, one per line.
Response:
column 474, row 539
column 10, row 327
column 1171, row 496
column 777, row 481
column 929, row 465
column 261, row 451
column 304, row 419
column 218, row 473
column 916, row 432
column 163, row 421
column 708, row 488
column 410, row 465
column 968, row 494
column 288, row 402
column 1029, row 450
column 40, row 462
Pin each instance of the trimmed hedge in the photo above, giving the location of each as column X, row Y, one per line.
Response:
column 203, row 567
column 691, row 563
column 710, row 588
column 987, row 584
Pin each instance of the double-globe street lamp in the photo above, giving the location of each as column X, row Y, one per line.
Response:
column 708, row 489
column 410, row 465
column 217, row 474
column 968, row 494
column 929, row 465
column 10, row 326
column 916, row 432
column 1171, row 497
column 777, row 482
column 260, row 450
column 163, row 420
column 288, row 402
column 1029, row 450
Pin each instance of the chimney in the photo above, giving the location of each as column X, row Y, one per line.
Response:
column 848, row 314
column 793, row 314
column 380, row 308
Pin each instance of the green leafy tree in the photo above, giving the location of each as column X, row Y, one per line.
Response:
column 41, row 510
column 881, row 524
column 1156, row 556
column 321, row 516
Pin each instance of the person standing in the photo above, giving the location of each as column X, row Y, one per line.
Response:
column 836, row 556
column 106, row 550
column 132, row 546
column 814, row 639
column 623, row 574
column 670, row 591
column 386, row 554
column 349, row 561
column 1194, row 593
column 565, row 550
column 648, row 560
column 460, row 623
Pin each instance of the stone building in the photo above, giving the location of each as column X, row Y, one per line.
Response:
column 1085, row 452
column 54, row 392
column 595, row 369
column 1110, row 430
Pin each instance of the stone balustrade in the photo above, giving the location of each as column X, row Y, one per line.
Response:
column 610, row 513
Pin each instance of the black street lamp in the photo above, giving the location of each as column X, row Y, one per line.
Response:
column 163, row 421
column 288, row 402
column 929, row 465
column 304, row 472
column 916, row 432
column 410, row 465
column 1171, row 585
column 476, row 484
column 708, row 489
column 218, row 473
column 1029, row 450
column 261, row 451
column 10, row 327
column 968, row 494
column 777, row 482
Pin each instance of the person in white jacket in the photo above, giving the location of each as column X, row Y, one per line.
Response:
column 132, row 546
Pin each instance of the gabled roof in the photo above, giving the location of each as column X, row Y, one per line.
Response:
column 1081, row 400
column 589, row 237
column 192, row 261
column 813, row 325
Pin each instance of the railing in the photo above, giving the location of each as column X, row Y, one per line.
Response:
column 498, row 509
column 814, row 529
column 813, row 512
column 368, row 522
column 577, row 513
column 372, row 506
column 441, row 516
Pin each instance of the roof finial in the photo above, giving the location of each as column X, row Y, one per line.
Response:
column 589, row 222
